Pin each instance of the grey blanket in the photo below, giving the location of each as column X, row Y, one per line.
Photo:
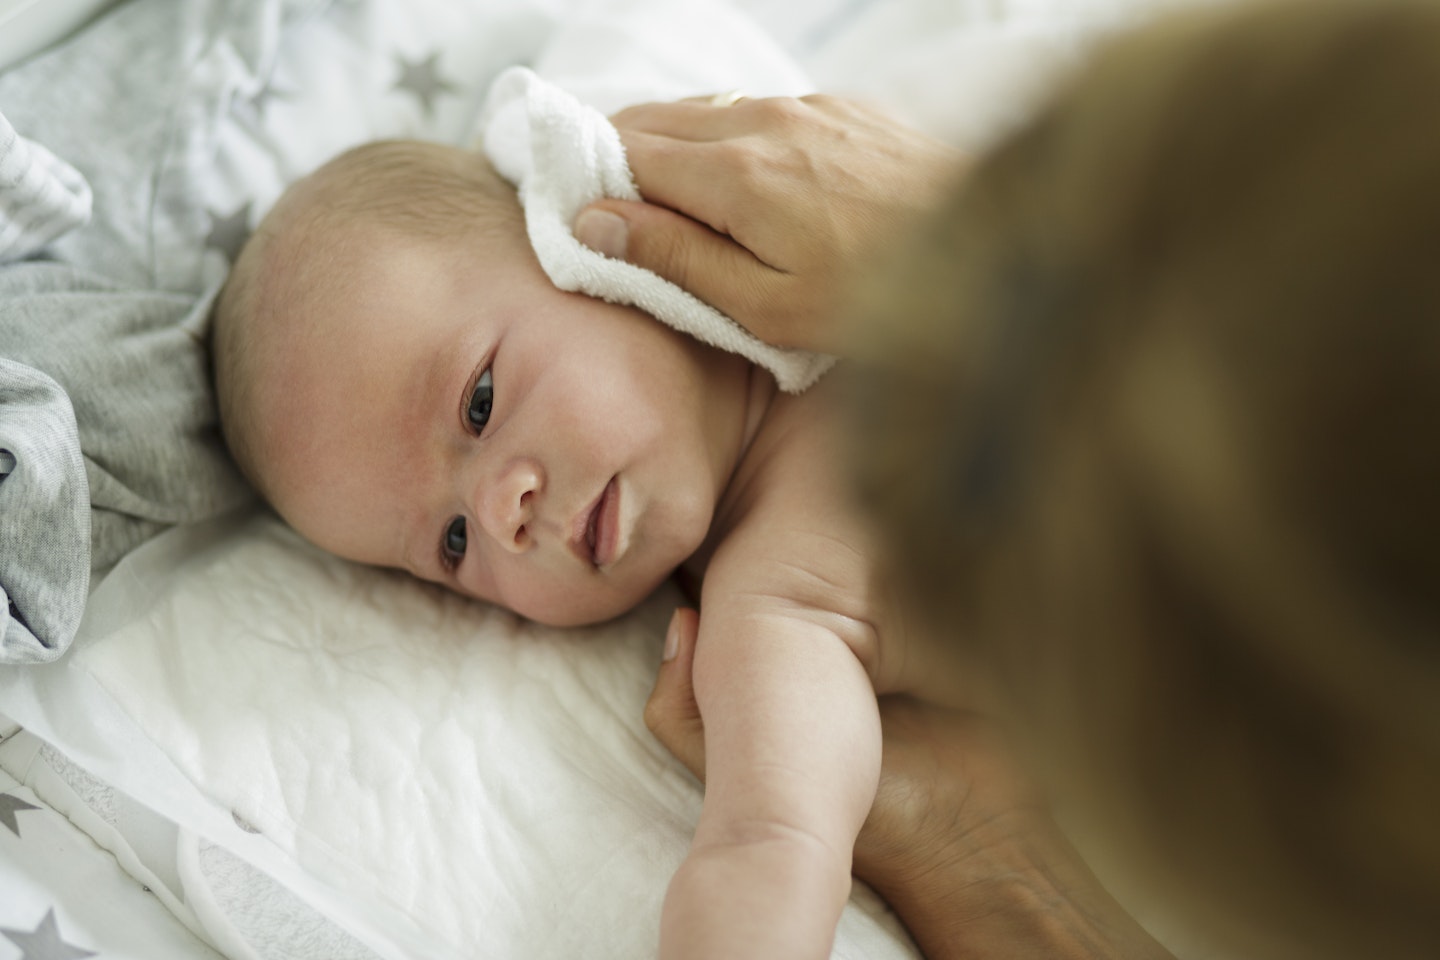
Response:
column 106, row 414
column 44, row 500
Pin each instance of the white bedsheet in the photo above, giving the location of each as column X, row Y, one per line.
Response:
column 440, row 763
column 62, row 893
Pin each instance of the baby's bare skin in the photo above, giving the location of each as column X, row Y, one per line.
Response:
column 796, row 640
column 785, row 516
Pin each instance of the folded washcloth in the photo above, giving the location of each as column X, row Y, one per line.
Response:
column 562, row 155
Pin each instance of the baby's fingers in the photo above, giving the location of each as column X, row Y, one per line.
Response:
column 671, row 712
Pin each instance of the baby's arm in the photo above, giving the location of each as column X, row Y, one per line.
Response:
column 792, row 745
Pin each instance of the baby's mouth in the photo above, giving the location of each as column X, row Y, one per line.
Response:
column 600, row 534
column 603, row 534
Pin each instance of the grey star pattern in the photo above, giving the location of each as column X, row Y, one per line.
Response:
column 422, row 78
column 9, row 806
column 44, row 942
column 229, row 232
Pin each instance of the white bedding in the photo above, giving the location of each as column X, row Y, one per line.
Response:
column 440, row 778
column 483, row 786
column 64, row 894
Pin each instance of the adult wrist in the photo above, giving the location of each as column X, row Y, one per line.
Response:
column 1021, row 893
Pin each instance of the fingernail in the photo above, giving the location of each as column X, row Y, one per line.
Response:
column 603, row 232
column 672, row 638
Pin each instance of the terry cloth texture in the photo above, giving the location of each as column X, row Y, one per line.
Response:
column 563, row 154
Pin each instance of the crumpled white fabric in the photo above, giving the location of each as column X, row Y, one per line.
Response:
column 463, row 783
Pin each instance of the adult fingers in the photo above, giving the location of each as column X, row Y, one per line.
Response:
column 710, row 265
column 671, row 712
column 695, row 119
column 699, row 180
column 702, row 119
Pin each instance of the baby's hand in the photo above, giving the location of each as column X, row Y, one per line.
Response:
column 671, row 712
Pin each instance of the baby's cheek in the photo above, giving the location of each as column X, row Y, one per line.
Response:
column 596, row 599
column 536, row 594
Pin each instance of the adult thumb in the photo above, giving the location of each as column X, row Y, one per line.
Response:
column 689, row 254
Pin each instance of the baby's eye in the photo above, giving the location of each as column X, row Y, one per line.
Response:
column 478, row 413
column 452, row 545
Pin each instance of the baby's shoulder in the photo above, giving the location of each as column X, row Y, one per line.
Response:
column 800, row 554
column 768, row 571
column 790, row 470
column 787, row 498
column 791, row 540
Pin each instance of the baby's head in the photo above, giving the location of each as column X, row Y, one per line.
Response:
column 401, row 381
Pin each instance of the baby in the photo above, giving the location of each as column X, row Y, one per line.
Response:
column 404, row 385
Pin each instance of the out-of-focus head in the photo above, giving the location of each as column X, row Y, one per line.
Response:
column 406, row 388
column 1150, row 418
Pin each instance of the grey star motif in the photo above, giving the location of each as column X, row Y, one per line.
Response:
column 422, row 78
column 9, row 806
column 228, row 233
column 44, row 942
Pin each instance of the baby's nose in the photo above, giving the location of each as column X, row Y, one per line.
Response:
column 505, row 505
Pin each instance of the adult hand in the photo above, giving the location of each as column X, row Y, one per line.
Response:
column 956, row 842
column 765, row 208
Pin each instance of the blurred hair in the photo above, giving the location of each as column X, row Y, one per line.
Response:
column 1149, row 413
column 296, row 257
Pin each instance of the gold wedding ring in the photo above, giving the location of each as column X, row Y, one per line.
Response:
column 727, row 99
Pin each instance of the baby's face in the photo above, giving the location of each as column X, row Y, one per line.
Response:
column 445, row 410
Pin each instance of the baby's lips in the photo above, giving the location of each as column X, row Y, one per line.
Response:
column 582, row 530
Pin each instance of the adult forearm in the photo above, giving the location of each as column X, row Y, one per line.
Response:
column 1027, row 896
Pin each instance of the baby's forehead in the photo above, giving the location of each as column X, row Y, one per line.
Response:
column 359, row 280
